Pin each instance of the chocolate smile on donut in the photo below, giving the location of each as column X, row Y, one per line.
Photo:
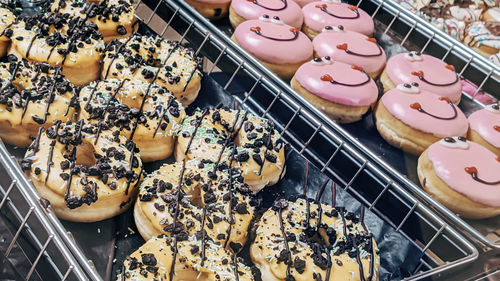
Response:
column 294, row 31
column 256, row 2
column 417, row 106
column 345, row 47
column 323, row 8
column 329, row 78
column 474, row 174
column 420, row 75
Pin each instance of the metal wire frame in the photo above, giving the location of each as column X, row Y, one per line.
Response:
column 270, row 98
column 42, row 247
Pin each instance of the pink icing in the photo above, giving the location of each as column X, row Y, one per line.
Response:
column 302, row 3
column 450, row 163
column 272, row 51
column 332, row 43
column 309, row 76
column 483, row 122
column 316, row 19
column 291, row 15
column 400, row 69
column 402, row 106
column 214, row 1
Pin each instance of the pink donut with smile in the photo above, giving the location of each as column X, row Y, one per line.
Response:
column 350, row 47
column 287, row 10
column 337, row 82
column 486, row 122
column 430, row 73
column 319, row 14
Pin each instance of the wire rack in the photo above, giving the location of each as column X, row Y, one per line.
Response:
column 308, row 132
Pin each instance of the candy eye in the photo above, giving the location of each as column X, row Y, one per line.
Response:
column 276, row 20
column 333, row 1
column 318, row 61
column 409, row 88
column 413, row 56
column 495, row 108
column 327, row 60
column 455, row 142
column 265, row 18
column 333, row 28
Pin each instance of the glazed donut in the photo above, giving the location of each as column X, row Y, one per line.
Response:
column 483, row 37
column 144, row 112
column 88, row 173
column 7, row 18
column 344, row 92
column 153, row 59
column 432, row 74
column 302, row 240
column 287, row 11
column 211, row 9
column 413, row 119
column 115, row 19
column 191, row 196
column 264, row 37
column 492, row 14
column 32, row 95
column 167, row 258
column 350, row 47
column 72, row 43
column 463, row 176
column 260, row 153
column 485, row 127
column 319, row 14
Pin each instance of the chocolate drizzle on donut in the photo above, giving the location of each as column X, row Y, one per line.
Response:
column 419, row 108
column 51, row 149
column 198, row 124
column 345, row 47
column 176, row 215
column 256, row 2
column 294, row 31
column 329, row 78
column 324, row 8
column 420, row 75
column 72, row 159
column 474, row 174
column 285, row 239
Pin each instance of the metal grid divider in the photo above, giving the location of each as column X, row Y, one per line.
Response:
column 40, row 242
column 247, row 66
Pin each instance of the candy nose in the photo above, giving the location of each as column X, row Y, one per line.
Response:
column 416, row 106
column 471, row 170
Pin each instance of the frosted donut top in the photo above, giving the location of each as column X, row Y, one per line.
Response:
column 484, row 33
column 471, row 169
column 430, row 73
column 287, row 10
column 486, row 122
column 319, row 14
column 350, row 47
column 272, row 42
column 337, row 82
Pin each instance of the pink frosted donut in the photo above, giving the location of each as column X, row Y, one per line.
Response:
column 485, row 127
column 343, row 91
column 430, row 73
column 302, row 3
column 350, row 47
column 319, row 14
column 281, row 47
column 287, row 10
column 462, row 175
column 413, row 119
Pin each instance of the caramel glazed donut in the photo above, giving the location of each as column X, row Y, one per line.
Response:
column 301, row 240
column 71, row 42
column 144, row 112
column 32, row 95
column 260, row 151
column 208, row 213
column 153, row 59
column 87, row 173
column 7, row 18
column 115, row 19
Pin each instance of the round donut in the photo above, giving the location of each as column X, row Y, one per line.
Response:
column 287, row 11
column 191, row 196
column 483, row 37
column 211, row 9
column 301, row 240
column 115, row 19
column 264, row 37
column 153, row 59
column 485, row 127
column 144, row 112
column 88, row 173
column 432, row 74
column 7, row 18
column 344, row 92
column 319, row 14
column 413, row 119
column 260, row 152
column 167, row 258
column 72, row 43
column 32, row 95
column 350, row 47
column 463, row 176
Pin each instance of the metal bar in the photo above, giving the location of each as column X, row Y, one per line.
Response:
column 310, row 139
column 331, row 157
column 233, row 75
column 168, row 23
column 257, row 82
column 391, row 23
column 291, row 120
column 408, row 34
column 202, row 44
column 427, row 43
column 6, row 195
column 434, row 237
column 386, row 187
column 33, row 266
column 217, row 60
column 271, row 105
column 355, row 175
column 18, row 232
column 407, row 215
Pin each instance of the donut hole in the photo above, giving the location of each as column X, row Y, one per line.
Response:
column 85, row 155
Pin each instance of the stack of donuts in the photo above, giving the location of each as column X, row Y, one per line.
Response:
column 92, row 100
